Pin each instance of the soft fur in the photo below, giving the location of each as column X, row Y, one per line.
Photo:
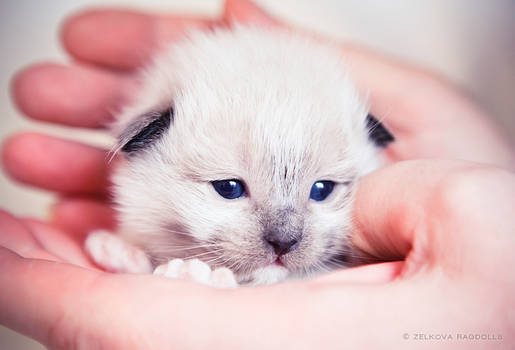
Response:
column 271, row 108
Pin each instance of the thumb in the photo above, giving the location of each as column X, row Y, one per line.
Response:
column 392, row 206
column 245, row 11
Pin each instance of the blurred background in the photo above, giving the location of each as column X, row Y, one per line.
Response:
column 470, row 42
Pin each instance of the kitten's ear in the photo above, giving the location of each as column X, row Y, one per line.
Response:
column 144, row 131
column 377, row 132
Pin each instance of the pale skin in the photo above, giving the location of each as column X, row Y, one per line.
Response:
column 448, row 223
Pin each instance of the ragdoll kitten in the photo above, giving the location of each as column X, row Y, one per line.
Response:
column 242, row 149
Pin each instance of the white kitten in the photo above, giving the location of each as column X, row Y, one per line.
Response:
column 242, row 149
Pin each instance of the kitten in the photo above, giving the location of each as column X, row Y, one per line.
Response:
column 242, row 150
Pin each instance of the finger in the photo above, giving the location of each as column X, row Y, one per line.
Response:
column 373, row 273
column 58, row 243
column 56, row 164
column 61, row 305
column 77, row 95
column 79, row 216
column 449, row 125
column 122, row 39
column 340, row 314
column 37, row 294
column 16, row 236
column 127, row 39
column 243, row 11
column 387, row 84
column 391, row 207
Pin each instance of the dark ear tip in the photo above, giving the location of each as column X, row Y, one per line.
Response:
column 377, row 132
column 142, row 135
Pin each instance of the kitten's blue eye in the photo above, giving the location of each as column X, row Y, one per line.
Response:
column 230, row 189
column 320, row 190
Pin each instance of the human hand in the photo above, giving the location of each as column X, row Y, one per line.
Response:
column 456, row 280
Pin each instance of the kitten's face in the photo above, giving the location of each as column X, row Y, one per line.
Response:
column 254, row 166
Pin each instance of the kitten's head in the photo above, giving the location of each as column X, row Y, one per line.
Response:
column 242, row 150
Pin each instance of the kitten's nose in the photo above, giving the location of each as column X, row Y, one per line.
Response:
column 282, row 245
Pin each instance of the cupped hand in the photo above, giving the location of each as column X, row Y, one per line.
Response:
column 456, row 280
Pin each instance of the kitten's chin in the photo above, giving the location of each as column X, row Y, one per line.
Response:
column 272, row 273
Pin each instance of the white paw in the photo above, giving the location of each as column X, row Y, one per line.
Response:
column 116, row 255
column 198, row 271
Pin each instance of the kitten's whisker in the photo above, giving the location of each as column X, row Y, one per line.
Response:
column 225, row 259
column 168, row 230
column 203, row 246
column 194, row 256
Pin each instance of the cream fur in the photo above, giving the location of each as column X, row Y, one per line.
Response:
column 271, row 108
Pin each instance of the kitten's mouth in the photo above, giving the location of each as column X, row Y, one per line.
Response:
column 278, row 262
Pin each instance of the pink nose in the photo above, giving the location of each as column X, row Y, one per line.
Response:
column 280, row 246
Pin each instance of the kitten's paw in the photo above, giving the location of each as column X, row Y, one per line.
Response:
column 198, row 271
column 116, row 255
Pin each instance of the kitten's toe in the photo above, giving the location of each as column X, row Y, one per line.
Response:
column 223, row 278
column 114, row 254
column 197, row 271
column 170, row 269
column 191, row 270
